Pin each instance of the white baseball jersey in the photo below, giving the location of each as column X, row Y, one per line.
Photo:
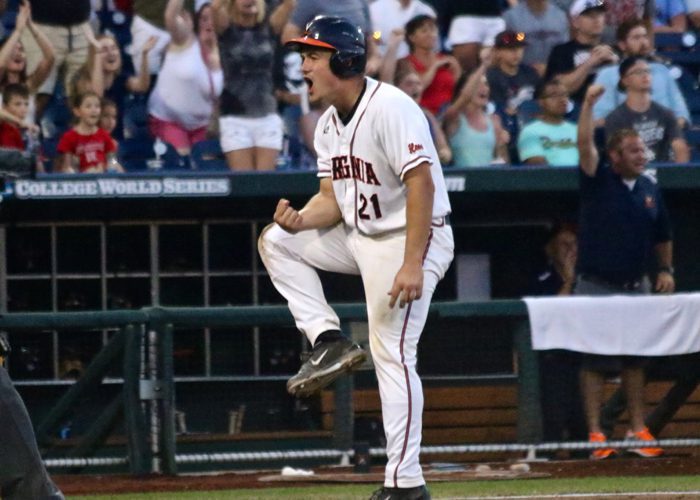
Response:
column 387, row 136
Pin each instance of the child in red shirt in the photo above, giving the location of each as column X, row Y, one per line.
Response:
column 86, row 148
column 15, row 103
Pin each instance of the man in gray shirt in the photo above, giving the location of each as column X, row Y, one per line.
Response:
column 655, row 124
column 633, row 40
column 544, row 24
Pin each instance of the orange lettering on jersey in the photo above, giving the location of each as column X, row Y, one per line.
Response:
column 412, row 148
column 356, row 168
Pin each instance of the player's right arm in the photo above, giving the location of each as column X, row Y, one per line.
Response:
column 588, row 154
column 320, row 211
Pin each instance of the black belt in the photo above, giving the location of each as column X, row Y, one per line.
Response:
column 630, row 285
column 441, row 221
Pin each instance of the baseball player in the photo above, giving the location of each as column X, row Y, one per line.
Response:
column 381, row 212
column 22, row 473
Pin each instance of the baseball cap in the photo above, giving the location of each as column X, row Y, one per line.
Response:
column 582, row 6
column 625, row 65
column 509, row 40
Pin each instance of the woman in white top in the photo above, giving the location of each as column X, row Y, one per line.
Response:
column 190, row 79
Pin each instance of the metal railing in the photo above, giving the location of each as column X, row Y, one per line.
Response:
column 144, row 342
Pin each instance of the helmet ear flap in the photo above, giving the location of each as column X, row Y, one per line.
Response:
column 346, row 65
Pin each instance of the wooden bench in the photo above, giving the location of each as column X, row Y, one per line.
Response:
column 488, row 413
column 685, row 423
column 470, row 414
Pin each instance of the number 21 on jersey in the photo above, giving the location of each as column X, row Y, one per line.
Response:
column 369, row 205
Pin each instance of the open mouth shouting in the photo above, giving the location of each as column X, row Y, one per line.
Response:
column 309, row 84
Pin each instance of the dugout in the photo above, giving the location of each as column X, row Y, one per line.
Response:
column 116, row 242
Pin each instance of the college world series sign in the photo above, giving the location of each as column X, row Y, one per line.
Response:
column 114, row 187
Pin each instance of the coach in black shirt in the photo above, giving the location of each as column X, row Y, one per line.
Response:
column 623, row 220
column 576, row 61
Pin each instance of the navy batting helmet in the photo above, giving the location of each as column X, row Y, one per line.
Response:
column 346, row 40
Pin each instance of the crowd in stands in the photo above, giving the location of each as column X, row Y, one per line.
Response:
column 110, row 85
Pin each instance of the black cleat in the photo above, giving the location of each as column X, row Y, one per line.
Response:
column 416, row 493
column 327, row 362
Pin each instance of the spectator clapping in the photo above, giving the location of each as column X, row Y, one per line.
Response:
column 190, row 80
column 251, row 130
column 13, row 58
column 477, row 137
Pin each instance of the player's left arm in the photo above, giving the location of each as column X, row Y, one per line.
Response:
column 408, row 283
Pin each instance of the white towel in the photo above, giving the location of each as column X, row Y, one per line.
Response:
column 643, row 325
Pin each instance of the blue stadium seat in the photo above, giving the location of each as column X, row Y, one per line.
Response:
column 528, row 111
column 135, row 115
column 49, row 153
column 116, row 23
column 686, row 81
column 688, row 85
column 207, row 155
column 134, row 156
column 693, row 102
column 56, row 119
column 668, row 41
column 692, row 135
column 8, row 19
column 688, row 59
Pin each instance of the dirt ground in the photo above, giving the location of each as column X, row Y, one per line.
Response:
column 622, row 466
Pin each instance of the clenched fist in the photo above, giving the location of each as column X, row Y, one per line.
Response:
column 287, row 217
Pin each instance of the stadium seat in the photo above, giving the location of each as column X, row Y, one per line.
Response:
column 693, row 102
column 668, row 41
column 135, row 115
column 689, row 59
column 688, row 85
column 528, row 111
column 49, row 153
column 135, row 155
column 207, row 155
column 8, row 19
column 56, row 118
column 117, row 23
column 692, row 135
column 687, row 82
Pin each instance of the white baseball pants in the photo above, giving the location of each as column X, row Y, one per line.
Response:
column 291, row 261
